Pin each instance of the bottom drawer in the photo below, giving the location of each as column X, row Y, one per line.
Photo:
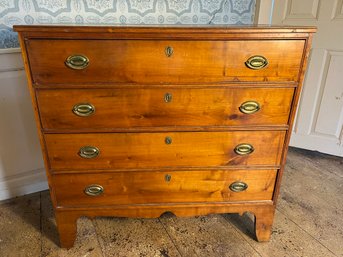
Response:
column 163, row 187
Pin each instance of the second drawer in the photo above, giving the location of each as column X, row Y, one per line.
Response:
column 154, row 150
column 77, row 109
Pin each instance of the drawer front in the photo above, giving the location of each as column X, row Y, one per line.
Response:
column 144, row 61
column 153, row 150
column 163, row 187
column 82, row 109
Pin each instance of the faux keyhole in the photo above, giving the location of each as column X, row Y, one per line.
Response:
column 167, row 178
column 168, row 97
column 169, row 51
column 168, row 140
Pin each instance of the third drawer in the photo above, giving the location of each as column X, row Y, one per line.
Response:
column 154, row 150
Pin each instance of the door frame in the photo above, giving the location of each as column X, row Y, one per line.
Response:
column 264, row 12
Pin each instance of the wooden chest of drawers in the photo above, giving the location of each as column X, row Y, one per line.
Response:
column 138, row 121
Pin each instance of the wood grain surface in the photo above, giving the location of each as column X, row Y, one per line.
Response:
column 136, row 107
column 151, row 187
column 149, row 150
column 145, row 61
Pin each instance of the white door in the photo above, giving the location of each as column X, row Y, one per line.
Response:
column 319, row 121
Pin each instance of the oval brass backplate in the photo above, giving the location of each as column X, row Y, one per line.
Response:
column 83, row 109
column 169, row 51
column 77, row 62
column 256, row 62
column 89, row 152
column 244, row 149
column 94, row 190
column 238, row 186
column 250, row 107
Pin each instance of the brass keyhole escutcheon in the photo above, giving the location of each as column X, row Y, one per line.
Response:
column 168, row 97
column 168, row 140
column 167, row 178
column 169, row 51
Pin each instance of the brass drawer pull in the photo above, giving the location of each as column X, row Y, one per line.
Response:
column 238, row 186
column 89, row 152
column 94, row 190
column 169, row 51
column 256, row 62
column 168, row 97
column 244, row 149
column 77, row 62
column 168, row 140
column 83, row 109
column 249, row 107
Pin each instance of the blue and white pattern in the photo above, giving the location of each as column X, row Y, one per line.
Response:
column 8, row 38
column 120, row 12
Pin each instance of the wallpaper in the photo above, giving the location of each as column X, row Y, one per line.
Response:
column 120, row 12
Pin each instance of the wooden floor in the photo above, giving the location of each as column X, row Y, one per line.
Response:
column 308, row 222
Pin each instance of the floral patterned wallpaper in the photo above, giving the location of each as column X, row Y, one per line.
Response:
column 120, row 12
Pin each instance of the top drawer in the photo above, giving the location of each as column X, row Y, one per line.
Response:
column 158, row 62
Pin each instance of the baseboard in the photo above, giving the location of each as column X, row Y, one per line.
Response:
column 22, row 184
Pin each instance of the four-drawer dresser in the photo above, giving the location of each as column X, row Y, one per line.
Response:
column 139, row 121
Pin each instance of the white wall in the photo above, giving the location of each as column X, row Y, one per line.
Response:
column 21, row 163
